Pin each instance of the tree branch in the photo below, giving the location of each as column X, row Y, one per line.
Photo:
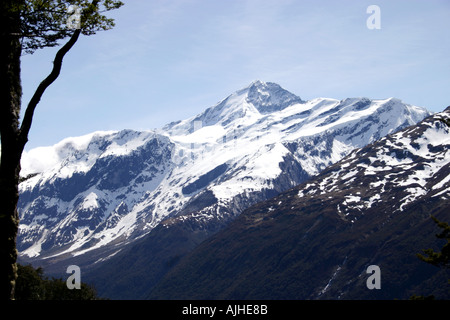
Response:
column 57, row 64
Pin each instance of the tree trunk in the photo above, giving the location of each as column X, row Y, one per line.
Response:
column 9, row 220
column 13, row 137
column 11, row 146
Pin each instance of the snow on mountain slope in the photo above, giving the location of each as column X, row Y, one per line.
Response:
column 112, row 187
column 400, row 168
column 92, row 190
column 318, row 239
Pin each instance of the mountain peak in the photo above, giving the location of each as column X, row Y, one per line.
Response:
column 257, row 83
column 258, row 141
column 258, row 98
column 268, row 97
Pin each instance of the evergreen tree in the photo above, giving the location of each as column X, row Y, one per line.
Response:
column 31, row 284
column 26, row 26
column 442, row 258
column 438, row 259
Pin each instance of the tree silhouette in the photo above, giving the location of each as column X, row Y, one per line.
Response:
column 26, row 26
column 31, row 284
column 438, row 259
column 442, row 258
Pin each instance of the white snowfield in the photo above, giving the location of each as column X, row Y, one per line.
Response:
column 407, row 159
column 121, row 184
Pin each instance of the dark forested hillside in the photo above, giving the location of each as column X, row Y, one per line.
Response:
column 316, row 241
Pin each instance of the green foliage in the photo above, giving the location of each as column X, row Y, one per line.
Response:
column 44, row 22
column 25, row 26
column 442, row 258
column 438, row 259
column 31, row 284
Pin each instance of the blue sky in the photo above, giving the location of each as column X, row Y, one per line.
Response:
column 167, row 60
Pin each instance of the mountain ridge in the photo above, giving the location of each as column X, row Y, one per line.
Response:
column 316, row 240
column 107, row 190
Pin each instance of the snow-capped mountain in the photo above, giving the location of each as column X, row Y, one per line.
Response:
column 107, row 189
column 88, row 188
column 318, row 239
column 399, row 169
